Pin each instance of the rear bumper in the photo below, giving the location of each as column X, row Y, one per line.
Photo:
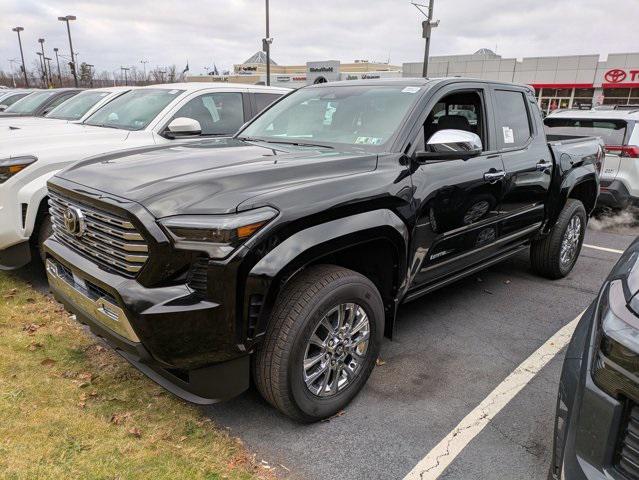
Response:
column 615, row 195
column 97, row 298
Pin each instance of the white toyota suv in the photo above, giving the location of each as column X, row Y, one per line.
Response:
column 619, row 129
column 144, row 116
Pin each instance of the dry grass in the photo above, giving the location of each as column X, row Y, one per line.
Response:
column 70, row 408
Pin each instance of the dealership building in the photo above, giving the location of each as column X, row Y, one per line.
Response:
column 559, row 82
column 253, row 70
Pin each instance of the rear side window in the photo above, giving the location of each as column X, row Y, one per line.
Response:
column 612, row 132
column 263, row 100
column 218, row 113
column 513, row 123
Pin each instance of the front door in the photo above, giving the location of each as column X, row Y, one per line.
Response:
column 457, row 201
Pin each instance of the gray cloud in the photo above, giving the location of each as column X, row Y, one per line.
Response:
column 118, row 32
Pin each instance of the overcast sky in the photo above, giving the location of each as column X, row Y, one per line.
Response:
column 111, row 33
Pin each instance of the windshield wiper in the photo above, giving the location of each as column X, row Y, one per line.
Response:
column 284, row 142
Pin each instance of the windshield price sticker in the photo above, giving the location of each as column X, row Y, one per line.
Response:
column 368, row 140
column 509, row 136
column 410, row 90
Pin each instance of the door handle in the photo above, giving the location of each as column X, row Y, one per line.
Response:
column 543, row 165
column 494, row 176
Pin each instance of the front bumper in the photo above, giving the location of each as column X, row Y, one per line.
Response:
column 134, row 321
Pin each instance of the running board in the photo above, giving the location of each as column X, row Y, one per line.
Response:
column 458, row 276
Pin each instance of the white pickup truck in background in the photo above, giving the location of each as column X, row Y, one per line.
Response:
column 619, row 129
column 145, row 116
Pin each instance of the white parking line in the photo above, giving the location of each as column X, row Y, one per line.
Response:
column 440, row 457
column 603, row 249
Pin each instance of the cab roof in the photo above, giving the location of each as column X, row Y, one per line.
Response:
column 196, row 86
column 601, row 114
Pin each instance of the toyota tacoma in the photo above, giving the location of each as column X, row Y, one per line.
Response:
column 283, row 254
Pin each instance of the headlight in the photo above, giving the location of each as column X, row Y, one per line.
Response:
column 10, row 166
column 616, row 362
column 217, row 235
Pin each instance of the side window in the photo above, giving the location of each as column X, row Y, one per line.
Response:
column 218, row 113
column 61, row 99
column 457, row 111
column 513, row 124
column 263, row 100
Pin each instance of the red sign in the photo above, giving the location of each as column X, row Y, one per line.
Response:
column 617, row 75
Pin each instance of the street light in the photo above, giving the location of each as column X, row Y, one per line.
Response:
column 24, row 68
column 44, row 63
column 57, row 60
column 427, row 26
column 125, row 69
column 41, row 57
column 48, row 60
column 73, row 59
column 144, row 62
column 266, row 47
column 90, row 67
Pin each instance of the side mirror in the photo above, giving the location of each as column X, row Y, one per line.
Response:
column 183, row 127
column 3, row 107
column 451, row 144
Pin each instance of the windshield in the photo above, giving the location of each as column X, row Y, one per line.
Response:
column 134, row 110
column 612, row 132
column 10, row 99
column 76, row 107
column 353, row 115
column 30, row 103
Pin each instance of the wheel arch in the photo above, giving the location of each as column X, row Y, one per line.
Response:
column 351, row 242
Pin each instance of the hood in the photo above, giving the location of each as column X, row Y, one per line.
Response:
column 214, row 176
column 74, row 138
column 20, row 123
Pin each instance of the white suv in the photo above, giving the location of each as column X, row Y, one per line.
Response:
column 619, row 129
column 146, row 116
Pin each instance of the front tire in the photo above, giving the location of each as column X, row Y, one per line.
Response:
column 555, row 255
column 45, row 230
column 321, row 344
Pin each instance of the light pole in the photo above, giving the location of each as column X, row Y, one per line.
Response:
column 48, row 60
column 427, row 26
column 125, row 69
column 41, row 57
column 24, row 68
column 73, row 59
column 266, row 47
column 44, row 63
column 144, row 62
column 57, row 60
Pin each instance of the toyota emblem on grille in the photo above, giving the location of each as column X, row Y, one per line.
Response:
column 74, row 221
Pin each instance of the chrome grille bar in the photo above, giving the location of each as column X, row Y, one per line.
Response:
column 107, row 238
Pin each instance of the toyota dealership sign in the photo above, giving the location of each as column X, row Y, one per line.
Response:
column 620, row 75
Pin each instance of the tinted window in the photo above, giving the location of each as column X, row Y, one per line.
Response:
column 30, row 103
column 366, row 116
column 135, row 109
column 513, row 125
column 263, row 100
column 77, row 106
column 612, row 132
column 11, row 99
column 59, row 101
column 218, row 113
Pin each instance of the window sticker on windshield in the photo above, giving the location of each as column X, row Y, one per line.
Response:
column 368, row 140
column 410, row 90
column 509, row 136
column 173, row 92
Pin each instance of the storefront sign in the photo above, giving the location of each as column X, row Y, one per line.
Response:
column 283, row 79
column 320, row 69
column 299, row 79
column 369, row 76
column 618, row 75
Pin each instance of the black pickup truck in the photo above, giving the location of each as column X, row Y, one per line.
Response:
column 285, row 252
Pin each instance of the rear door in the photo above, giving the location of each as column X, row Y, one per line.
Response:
column 526, row 158
column 261, row 100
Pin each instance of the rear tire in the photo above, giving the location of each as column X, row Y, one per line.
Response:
column 555, row 255
column 45, row 230
column 304, row 330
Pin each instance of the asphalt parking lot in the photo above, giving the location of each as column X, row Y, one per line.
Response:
column 452, row 349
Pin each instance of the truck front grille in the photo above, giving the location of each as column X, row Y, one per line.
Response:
column 628, row 462
column 103, row 237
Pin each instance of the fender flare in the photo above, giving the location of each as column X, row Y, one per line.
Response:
column 271, row 272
